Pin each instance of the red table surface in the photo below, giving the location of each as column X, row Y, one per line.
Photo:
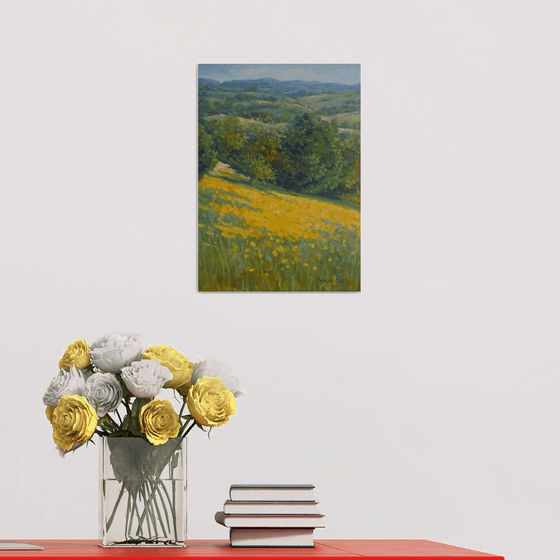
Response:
column 219, row 550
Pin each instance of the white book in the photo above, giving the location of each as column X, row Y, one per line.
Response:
column 297, row 521
column 251, row 537
column 271, row 492
column 12, row 545
column 254, row 508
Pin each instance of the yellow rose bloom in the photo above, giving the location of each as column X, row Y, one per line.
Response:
column 159, row 421
column 172, row 359
column 76, row 354
column 210, row 403
column 49, row 412
column 73, row 420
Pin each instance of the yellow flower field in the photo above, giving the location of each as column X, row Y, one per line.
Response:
column 255, row 240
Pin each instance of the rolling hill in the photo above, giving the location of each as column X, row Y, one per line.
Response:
column 275, row 102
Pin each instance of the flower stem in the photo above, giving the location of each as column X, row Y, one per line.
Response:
column 181, row 435
column 149, row 509
column 128, row 521
column 153, row 498
column 140, row 530
column 183, row 406
column 110, row 521
column 172, row 505
column 157, row 483
column 148, row 515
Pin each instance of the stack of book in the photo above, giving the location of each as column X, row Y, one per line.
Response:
column 283, row 515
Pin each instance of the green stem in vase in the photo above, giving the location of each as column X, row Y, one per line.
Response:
column 146, row 515
column 127, row 528
column 158, row 490
column 173, row 508
column 158, row 513
column 148, row 510
column 174, row 498
column 171, row 505
column 110, row 521
column 140, row 530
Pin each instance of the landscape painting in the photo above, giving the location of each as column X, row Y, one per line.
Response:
column 279, row 178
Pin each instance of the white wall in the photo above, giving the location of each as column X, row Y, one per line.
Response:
column 424, row 407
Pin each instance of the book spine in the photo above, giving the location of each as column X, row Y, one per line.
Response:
column 220, row 518
column 270, row 495
column 271, row 521
column 270, row 508
column 287, row 538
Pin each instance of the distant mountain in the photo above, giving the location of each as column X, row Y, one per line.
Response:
column 208, row 81
column 292, row 88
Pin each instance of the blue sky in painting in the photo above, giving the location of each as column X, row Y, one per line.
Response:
column 337, row 73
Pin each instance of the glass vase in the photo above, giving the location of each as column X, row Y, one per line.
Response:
column 142, row 492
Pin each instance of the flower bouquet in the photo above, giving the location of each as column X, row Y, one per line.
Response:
column 108, row 388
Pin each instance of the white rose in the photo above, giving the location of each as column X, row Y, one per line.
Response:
column 145, row 378
column 215, row 368
column 68, row 382
column 104, row 392
column 112, row 352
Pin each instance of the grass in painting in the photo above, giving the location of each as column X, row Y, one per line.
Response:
column 253, row 239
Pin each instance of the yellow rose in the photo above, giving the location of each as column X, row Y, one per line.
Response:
column 210, row 403
column 73, row 420
column 76, row 354
column 159, row 421
column 174, row 361
column 49, row 412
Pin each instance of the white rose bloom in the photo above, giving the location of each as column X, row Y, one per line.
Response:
column 67, row 382
column 112, row 352
column 145, row 378
column 104, row 392
column 215, row 368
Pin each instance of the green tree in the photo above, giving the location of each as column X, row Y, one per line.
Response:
column 260, row 150
column 207, row 155
column 311, row 158
column 350, row 145
column 229, row 138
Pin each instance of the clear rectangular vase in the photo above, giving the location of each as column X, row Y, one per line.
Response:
column 142, row 492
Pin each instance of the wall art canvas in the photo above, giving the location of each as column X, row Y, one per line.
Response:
column 279, row 177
